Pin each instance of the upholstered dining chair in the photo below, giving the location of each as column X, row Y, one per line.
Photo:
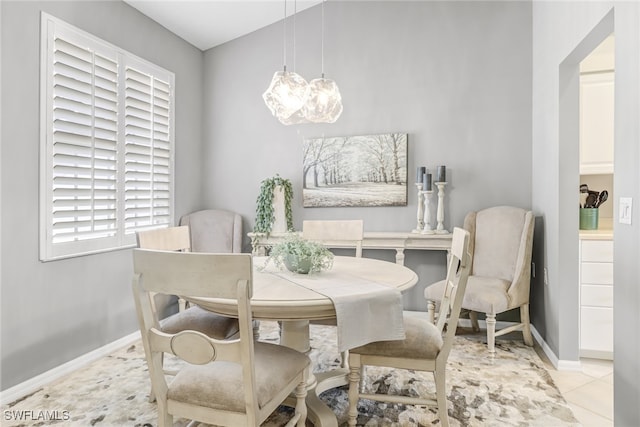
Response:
column 501, row 244
column 214, row 231
column 224, row 382
column 345, row 233
column 195, row 318
column 426, row 346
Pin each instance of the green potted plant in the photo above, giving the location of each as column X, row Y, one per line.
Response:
column 300, row 256
column 265, row 211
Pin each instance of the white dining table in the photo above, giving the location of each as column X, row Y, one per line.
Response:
column 277, row 296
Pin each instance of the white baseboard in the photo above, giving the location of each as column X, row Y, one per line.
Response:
column 34, row 384
column 560, row 365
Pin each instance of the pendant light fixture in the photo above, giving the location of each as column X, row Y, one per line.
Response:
column 298, row 116
column 324, row 102
column 287, row 91
column 293, row 101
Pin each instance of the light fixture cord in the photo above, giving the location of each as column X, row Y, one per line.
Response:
column 295, row 11
column 322, row 43
column 284, row 40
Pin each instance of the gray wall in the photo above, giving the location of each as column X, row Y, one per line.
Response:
column 475, row 84
column 456, row 76
column 563, row 34
column 56, row 311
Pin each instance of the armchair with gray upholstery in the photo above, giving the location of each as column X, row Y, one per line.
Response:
column 214, row 231
column 500, row 245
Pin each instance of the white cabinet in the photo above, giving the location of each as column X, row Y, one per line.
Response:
column 596, row 298
column 596, row 123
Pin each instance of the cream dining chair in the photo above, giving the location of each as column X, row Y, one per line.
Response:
column 426, row 346
column 343, row 233
column 195, row 318
column 225, row 382
column 501, row 244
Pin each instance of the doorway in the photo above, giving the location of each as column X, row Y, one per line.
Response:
column 583, row 266
column 597, row 82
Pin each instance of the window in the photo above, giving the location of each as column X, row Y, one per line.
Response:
column 106, row 144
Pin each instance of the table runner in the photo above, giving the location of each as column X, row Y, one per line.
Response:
column 366, row 311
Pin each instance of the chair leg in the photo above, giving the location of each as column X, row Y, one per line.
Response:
column 152, row 393
column 441, row 394
column 301, row 405
column 431, row 311
column 344, row 359
column 165, row 419
column 256, row 330
column 354, row 387
column 473, row 316
column 491, row 332
column 526, row 330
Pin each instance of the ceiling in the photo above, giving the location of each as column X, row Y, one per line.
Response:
column 209, row 23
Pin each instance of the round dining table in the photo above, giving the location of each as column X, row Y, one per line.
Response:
column 277, row 296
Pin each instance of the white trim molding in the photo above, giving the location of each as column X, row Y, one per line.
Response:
column 560, row 365
column 32, row 385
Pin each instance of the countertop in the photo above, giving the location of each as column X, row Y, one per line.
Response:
column 604, row 231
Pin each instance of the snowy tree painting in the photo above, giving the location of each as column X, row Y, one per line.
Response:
column 368, row 170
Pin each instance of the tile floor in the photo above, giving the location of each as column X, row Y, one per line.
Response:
column 589, row 392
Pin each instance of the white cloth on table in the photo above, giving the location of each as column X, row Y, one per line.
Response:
column 366, row 311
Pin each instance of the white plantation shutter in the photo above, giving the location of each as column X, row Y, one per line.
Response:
column 147, row 192
column 107, row 144
column 85, row 132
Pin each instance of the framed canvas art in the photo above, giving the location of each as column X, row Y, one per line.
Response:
column 366, row 170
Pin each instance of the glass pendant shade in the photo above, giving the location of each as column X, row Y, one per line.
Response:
column 293, row 101
column 324, row 103
column 286, row 94
column 296, row 118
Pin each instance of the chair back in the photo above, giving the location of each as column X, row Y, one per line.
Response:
column 165, row 239
column 339, row 233
column 214, row 231
column 458, row 270
column 191, row 273
column 226, row 276
column 501, row 239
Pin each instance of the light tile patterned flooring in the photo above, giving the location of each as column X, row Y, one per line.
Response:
column 589, row 392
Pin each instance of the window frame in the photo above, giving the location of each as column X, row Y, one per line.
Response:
column 123, row 235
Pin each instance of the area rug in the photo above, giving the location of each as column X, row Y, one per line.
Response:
column 511, row 389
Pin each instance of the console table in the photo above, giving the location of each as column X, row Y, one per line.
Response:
column 398, row 240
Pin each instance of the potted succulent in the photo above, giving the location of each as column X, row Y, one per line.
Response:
column 300, row 256
column 265, row 210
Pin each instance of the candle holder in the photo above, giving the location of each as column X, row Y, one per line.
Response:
column 440, row 213
column 420, row 225
column 428, row 229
